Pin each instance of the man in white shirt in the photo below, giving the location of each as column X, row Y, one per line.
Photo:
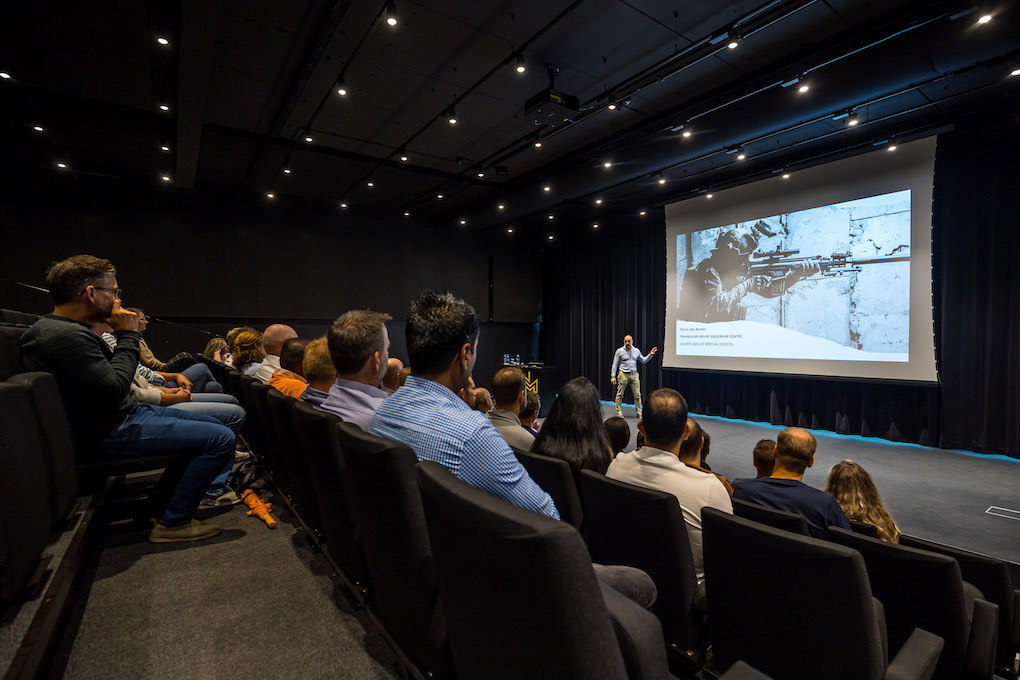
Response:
column 657, row 465
column 272, row 341
column 624, row 372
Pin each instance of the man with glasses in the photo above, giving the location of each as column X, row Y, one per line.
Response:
column 95, row 385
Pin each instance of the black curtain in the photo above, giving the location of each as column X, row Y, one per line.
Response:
column 596, row 288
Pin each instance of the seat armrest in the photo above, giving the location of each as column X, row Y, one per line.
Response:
column 639, row 634
column 917, row 657
column 984, row 636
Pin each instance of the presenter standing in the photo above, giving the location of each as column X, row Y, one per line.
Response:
column 625, row 372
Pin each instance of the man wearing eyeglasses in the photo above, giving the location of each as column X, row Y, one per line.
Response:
column 95, row 385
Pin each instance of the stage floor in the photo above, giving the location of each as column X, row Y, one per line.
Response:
column 960, row 498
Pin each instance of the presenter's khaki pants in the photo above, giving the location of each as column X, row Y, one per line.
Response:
column 634, row 380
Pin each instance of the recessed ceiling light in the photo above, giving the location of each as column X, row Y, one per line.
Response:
column 607, row 164
column 439, row 196
column 741, row 156
column 407, row 213
column 1015, row 72
column 501, row 206
column 270, row 194
column 598, row 201
column 286, row 171
column 370, row 183
column 509, row 230
column 341, row 89
column 686, row 134
column 786, row 175
column 403, row 157
column 551, row 237
column 612, row 106
column 5, row 75
column 538, row 145
column 308, row 139
column 162, row 41
column 595, row 225
column 985, row 19
column 38, row 128
column 166, row 178
column 547, row 188
column 62, row 166
column 164, row 148
column 463, row 222
column 892, row 148
column 662, row 180
column 164, row 107
column 733, row 44
column 643, row 213
column 852, row 121
column 519, row 64
column 343, row 204
column 550, row 217
column 803, row 88
column 708, row 195
column 480, row 174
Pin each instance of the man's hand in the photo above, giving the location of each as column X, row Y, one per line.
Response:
column 654, row 350
column 121, row 319
column 612, row 381
column 182, row 381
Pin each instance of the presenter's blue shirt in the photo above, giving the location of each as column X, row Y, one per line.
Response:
column 627, row 361
column 817, row 507
column 438, row 426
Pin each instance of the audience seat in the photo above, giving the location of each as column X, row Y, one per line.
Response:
column 644, row 528
column 10, row 351
column 780, row 519
column 992, row 577
column 25, row 510
column 272, row 455
column 521, row 597
column 922, row 589
column 404, row 592
column 327, row 470
column 798, row 607
column 55, row 436
column 281, row 409
column 557, row 480
column 863, row 528
column 13, row 316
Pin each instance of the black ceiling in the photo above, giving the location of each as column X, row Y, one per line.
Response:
column 246, row 82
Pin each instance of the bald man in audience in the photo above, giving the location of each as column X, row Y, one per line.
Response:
column 289, row 378
column 360, row 347
column 389, row 381
column 272, row 341
column 784, row 490
column 319, row 372
column 483, row 400
column 510, row 397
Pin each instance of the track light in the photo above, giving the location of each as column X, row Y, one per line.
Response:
column 607, row 164
column 270, row 195
column 509, row 230
column 341, row 87
column 643, row 213
column 686, row 134
column 164, row 107
column 480, row 174
column 166, row 178
column 595, row 225
column 852, row 120
column 1015, row 72
column 308, row 139
column 803, row 88
column 538, row 145
column 892, row 147
column 162, row 40
column 343, row 205
column 370, row 182
column 403, row 157
column 612, row 106
column 741, row 155
column 550, row 217
column 38, row 128
column 5, row 75
column 451, row 116
column 165, row 148
column 391, row 14
column 708, row 195
column 463, row 222
column 551, row 237
column 786, row 175
column 407, row 213
column 662, row 180
column 501, row 206
column 984, row 19
column 547, row 188
column 734, row 41
column 439, row 197
column 62, row 166
column 598, row 201
column 519, row 64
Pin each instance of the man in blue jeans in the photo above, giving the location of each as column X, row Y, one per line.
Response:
column 96, row 390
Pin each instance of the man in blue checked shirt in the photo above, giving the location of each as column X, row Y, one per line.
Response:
column 625, row 373
column 426, row 414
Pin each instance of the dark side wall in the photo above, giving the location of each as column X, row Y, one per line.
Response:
column 202, row 262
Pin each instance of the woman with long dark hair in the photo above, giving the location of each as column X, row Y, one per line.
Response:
column 573, row 430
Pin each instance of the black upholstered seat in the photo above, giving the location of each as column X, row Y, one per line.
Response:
column 557, row 480
column 799, row 607
column 521, row 597
column 780, row 519
column 292, row 454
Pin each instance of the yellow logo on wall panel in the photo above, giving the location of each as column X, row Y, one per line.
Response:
column 531, row 383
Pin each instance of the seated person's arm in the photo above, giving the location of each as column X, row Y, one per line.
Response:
column 490, row 465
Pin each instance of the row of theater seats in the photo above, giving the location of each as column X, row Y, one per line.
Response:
column 466, row 585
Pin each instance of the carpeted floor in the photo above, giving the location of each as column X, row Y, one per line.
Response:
column 932, row 493
column 252, row 602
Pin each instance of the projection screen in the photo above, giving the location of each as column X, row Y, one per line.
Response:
column 826, row 272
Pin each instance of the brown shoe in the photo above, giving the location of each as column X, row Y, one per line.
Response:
column 195, row 531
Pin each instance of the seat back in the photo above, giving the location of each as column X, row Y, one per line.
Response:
column 54, row 433
column 557, row 480
column 272, row 452
column 521, row 597
column 644, row 528
column 25, row 511
column 992, row 577
column 397, row 549
column 10, row 351
column 281, row 409
column 780, row 519
column 791, row 606
column 920, row 589
column 327, row 470
column 14, row 316
column 864, row 528
column 252, row 424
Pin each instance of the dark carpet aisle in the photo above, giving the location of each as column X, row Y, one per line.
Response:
column 932, row 493
column 252, row 602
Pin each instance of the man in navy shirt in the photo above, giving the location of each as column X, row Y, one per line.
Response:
column 625, row 373
column 784, row 490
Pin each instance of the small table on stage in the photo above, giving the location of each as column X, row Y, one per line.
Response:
column 541, row 379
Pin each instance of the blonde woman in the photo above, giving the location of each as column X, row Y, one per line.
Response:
column 853, row 489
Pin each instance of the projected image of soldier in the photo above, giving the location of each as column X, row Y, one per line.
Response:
column 713, row 289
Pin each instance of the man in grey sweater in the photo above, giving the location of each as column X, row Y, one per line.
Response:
column 510, row 398
column 95, row 385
